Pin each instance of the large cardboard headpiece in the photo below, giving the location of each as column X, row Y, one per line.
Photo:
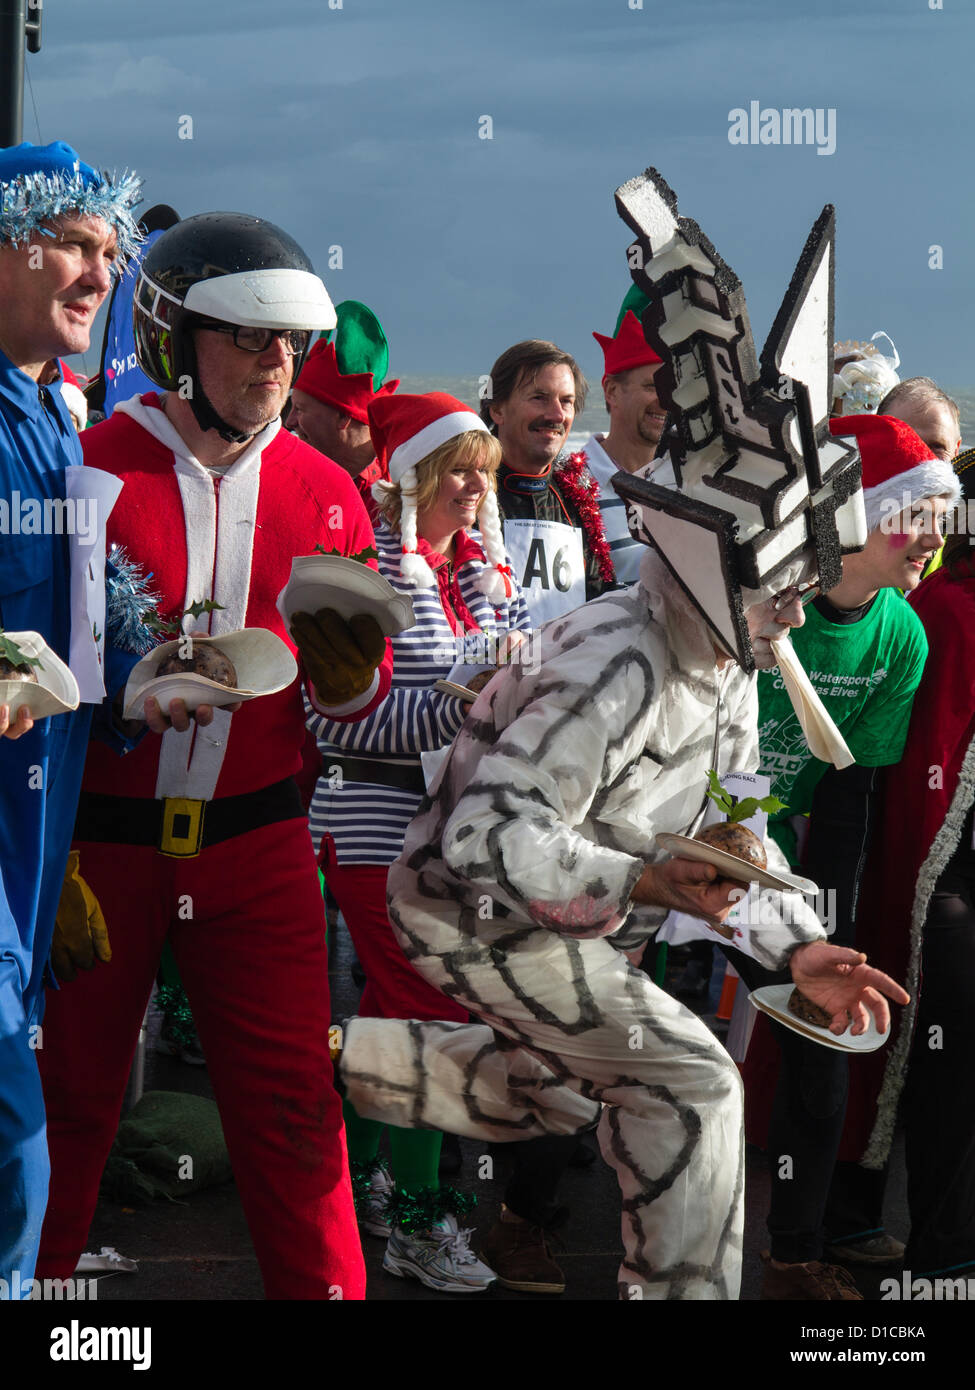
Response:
column 762, row 496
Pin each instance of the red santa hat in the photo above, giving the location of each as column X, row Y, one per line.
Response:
column 74, row 397
column 349, row 392
column 628, row 349
column 405, row 430
column 897, row 465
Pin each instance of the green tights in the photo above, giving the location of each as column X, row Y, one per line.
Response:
column 415, row 1152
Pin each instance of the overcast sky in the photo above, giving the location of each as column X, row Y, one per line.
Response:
column 359, row 127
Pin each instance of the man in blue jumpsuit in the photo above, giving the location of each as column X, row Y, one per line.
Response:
column 62, row 226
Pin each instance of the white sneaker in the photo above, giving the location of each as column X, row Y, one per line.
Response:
column 371, row 1209
column 108, row 1262
column 441, row 1258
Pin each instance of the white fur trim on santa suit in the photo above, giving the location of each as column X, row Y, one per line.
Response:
column 190, row 762
column 75, row 400
column 943, row 846
column 416, row 448
column 350, row 706
column 932, row 479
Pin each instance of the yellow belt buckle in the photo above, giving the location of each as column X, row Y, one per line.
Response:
column 181, row 835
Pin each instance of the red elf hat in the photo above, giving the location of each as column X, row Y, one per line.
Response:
column 628, row 349
column 351, row 392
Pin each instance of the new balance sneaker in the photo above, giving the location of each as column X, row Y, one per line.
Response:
column 441, row 1258
column 371, row 1201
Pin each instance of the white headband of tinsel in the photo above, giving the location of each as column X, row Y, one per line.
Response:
column 28, row 201
column 495, row 580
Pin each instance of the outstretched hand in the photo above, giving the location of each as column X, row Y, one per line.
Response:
column 839, row 981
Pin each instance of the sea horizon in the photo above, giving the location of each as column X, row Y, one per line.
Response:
column 595, row 420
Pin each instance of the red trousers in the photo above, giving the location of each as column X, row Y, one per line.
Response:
column 247, row 928
column 393, row 988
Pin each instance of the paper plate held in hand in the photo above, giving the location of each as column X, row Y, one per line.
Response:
column 350, row 588
column 262, row 661
column 730, row 866
column 56, row 690
column 460, row 692
column 774, row 1001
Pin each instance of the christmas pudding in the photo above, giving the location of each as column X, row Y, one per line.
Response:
column 204, row 659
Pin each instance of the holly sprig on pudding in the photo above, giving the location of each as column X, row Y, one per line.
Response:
column 731, row 835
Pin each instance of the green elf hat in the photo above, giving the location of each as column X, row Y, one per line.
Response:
column 347, row 362
column 636, row 301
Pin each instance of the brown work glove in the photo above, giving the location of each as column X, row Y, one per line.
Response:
column 340, row 657
column 80, row 933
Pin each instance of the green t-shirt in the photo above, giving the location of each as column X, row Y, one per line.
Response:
column 866, row 674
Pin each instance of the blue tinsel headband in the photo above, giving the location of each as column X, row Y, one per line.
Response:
column 58, row 185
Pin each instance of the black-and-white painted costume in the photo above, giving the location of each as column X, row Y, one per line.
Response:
column 513, row 896
column 513, row 892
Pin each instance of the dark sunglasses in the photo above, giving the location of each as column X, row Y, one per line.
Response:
column 260, row 339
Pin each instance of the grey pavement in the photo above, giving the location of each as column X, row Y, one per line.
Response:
column 201, row 1250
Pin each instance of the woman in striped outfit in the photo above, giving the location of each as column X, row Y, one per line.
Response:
column 442, row 463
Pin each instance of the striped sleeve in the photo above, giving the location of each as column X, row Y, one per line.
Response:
column 409, row 721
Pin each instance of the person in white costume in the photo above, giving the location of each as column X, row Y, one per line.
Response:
column 531, row 877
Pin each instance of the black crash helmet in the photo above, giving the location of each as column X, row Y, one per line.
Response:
column 227, row 266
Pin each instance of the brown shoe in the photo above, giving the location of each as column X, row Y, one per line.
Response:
column 519, row 1255
column 809, row 1283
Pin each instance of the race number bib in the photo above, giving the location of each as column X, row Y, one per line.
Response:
column 548, row 562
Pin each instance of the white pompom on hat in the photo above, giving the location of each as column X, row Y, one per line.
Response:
column 405, row 430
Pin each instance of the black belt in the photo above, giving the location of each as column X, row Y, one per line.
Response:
column 181, row 826
column 407, row 777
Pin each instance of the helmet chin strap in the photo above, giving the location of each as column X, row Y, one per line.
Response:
column 208, row 419
column 204, row 413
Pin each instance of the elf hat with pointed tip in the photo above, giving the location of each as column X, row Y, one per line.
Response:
column 405, row 430
column 897, row 466
column 629, row 348
column 345, row 365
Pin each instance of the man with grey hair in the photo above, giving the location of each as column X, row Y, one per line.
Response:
column 63, row 225
column 930, row 412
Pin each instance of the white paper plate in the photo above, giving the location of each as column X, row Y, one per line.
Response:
column 773, row 1000
column 335, row 581
column 263, row 663
column 460, row 691
column 56, row 691
column 730, row 866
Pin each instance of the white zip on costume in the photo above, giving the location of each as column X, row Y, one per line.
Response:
column 219, row 553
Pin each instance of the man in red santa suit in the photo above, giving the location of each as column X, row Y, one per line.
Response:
column 201, row 836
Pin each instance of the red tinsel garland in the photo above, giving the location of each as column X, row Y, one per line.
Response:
column 583, row 493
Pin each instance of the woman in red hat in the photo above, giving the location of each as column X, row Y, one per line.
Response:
column 441, row 461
